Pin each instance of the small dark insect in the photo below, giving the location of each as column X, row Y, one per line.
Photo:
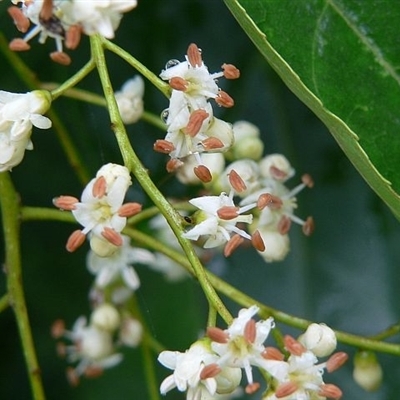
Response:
column 53, row 25
column 189, row 220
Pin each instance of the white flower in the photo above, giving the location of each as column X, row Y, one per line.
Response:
column 105, row 317
column 118, row 265
column 18, row 114
column 131, row 331
column 320, row 339
column 130, row 100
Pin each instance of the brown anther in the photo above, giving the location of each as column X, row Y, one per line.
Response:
column 250, row 331
column 196, row 120
column 336, row 360
column 272, row 353
column 47, row 10
column 252, row 388
column 269, row 200
column 285, row 389
column 99, row 187
column 65, row 202
column 129, row 209
column 309, row 226
column 203, row 173
column 236, row 181
column 61, row 349
column 173, row 164
column 234, row 242
column 57, row 328
column 293, row 346
column 228, row 212
column 212, row 143
column 257, row 241
column 209, row 371
column 60, row 57
column 308, row 180
column 163, row 146
column 18, row 45
column 112, row 236
column 178, row 83
column 230, row 71
column 330, row 391
column 224, row 100
column 21, row 22
column 277, row 173
column 75, row 240
column 72, row 377
column 93, row 372
column 194, row 55
column 217, row 334
column 284, row 225
column 73, row 37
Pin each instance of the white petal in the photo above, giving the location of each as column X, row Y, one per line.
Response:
column 131, row 278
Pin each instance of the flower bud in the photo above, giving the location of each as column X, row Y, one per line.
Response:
column 223, row 131
column 105, row 317
column 228, row 380
column 131, row 332
column 251, row 147
column 276, row 245
column 130, row 100
column 102, row 247
column 320, row 339
column 276, row 166
column 367, row 371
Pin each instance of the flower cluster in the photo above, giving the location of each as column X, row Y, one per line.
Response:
column 192, row 127
column 65, row 21
column 213, row 365
column 18, row 114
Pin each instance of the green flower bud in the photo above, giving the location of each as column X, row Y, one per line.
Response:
column 367, row 371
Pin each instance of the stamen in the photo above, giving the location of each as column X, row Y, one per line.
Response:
column 93, row 372
column 293, row 346
column 234, row 242
column 228, row 212
column 230, row 71
column 257, row 241
column 209, row 371
column 224, row 100
column 47, row 10
column 100, row 186
column 284, row 225
column 285, row 389
column 73, row 37
column 307, row 180
column 60, row 57
column 178, row 83
column 217, row 334
column 194, row 55
column 212, row 143
column 308, row 226
column 129, row 209
column 277, row 173
column 65, row 202
column 18, row 44
column 75, row 240
column 21, row 22
column 72, row 377
column 250, row 331
column 203, row 173
column 252, row 388
column 173, row 164
column 57, row 328
column 236, row 182
column 61, row 349
column 330, row 391
column 272, row 353
column 163, row 146
column 112, row 236
column 269, row 200
column 336, row 360
column 196, row 120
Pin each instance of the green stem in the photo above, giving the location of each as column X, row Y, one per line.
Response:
column 9, row 203
column 132, row 162
column 4, row 302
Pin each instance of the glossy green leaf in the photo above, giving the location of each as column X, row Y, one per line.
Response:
column 342, row 59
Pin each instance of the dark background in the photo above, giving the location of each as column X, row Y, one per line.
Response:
column 345, row 275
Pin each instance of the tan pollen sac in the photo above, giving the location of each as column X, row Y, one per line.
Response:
column 21, row 22
column 194, row 55
column 61, row 349
column 308, row 226
column 272, row 353
column 57, row 329
column 308, row 180
column 236, row 181
column 269, row 200
column 75, row 240
column 284, row 225
column 65, row 202
column 196, row 120
column 112, row 236
column 93, row 372
column 228, row 212
column 330, row 391
column 73, row 37
column 163, row 146
column 99, row 187
column 60, row 58
column 234, row 242
column 178, row 83
column 252, row 388
column 212, row 143
column 257, row 241
column 47, row 10
column 336, row 360
column 293, row 346
column 203, row 173
column 217, row 334
column 18, row 44
column 285, row 389
column 230, row 71
column 250, row 331
column 277, row 173
column 173, row 164
column 209, row 371
column 224, row 100
column 72, row 377
column 129, row 209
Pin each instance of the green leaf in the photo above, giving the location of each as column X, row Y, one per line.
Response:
column 342, row 59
